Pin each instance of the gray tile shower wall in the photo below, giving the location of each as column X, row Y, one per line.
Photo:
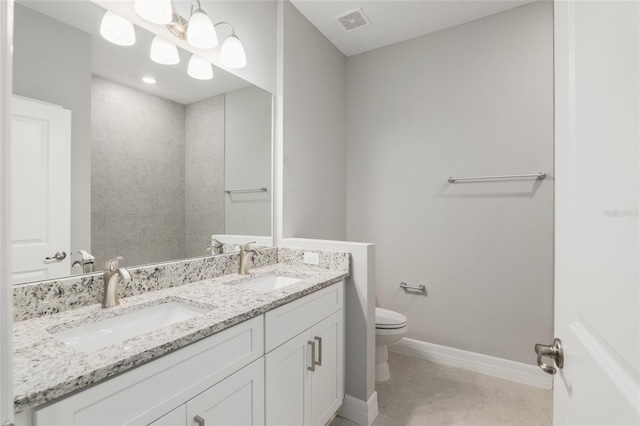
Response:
column 137, row 175
column 50, row 297
column 204, row 145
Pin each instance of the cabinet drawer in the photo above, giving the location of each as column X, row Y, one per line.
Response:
column 285, row 322
column 143, row 394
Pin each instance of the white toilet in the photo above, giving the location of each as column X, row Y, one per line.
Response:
column 390, row 327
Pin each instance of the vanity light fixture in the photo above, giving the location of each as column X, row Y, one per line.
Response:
column 156, row 11
column 164, row 52
column 117, row 30
column 199, row 30
column 232, row 53
column 199, row 68
column 149, row 80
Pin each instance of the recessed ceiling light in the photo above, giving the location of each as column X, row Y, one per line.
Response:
column 149, row 80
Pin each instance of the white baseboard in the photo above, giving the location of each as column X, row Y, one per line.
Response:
column 359, row 411
column 485, row 364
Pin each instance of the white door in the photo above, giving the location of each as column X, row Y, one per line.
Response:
column 238, row 400
column 40, row 190
column 597, row 75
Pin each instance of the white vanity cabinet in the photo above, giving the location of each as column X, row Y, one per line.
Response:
column 153, row 390
column 305, row 359
column 226, row 379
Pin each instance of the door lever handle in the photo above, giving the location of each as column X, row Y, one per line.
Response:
column 554, row 352
column 58, row 256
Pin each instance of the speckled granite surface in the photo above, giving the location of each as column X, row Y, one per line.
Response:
column 50, row 297
column 46, row 369
column 334, row 260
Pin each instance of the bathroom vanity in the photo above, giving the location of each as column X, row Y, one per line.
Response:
column 250, row 355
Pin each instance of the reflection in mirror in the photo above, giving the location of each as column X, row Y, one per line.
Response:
column 116, row 155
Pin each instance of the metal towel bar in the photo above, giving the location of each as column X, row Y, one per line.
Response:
column 421, row 287
column 539, row 176
column 239, row 191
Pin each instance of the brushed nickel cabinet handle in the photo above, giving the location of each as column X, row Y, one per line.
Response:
column 199, row 420
column 319, row 362
column 313, row 355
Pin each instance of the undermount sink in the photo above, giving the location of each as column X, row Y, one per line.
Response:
column 99, row 334
column 268, row 283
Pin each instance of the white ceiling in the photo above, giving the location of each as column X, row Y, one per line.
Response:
column 127, row 65
column 394, row 21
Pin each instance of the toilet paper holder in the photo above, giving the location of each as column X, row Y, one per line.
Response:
column 406, row 287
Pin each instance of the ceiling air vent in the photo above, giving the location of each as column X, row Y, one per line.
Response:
column 353, row 20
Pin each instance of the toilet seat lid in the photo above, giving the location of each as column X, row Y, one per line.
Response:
column 385, row 317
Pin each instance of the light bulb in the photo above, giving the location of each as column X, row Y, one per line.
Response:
column 117, row 30
column 199, row 68
column 164, row 52
column 232, row 53
column 156, row 11
column 201, row 32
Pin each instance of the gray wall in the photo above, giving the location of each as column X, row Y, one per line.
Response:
column 204, row 173
column 248, row 134
column 314, row 132
column 52, row 63
column 476, row 99
column 137, row 178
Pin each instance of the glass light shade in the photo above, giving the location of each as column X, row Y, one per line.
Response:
column 201, row 32
column 156, row 11
column 164, row 52
column 199, row 68
column 117, row 30
column 232, row 53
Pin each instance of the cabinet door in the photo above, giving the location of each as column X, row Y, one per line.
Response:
column 327, row 381
column 237, row 400
column 287, row 389
column 177, row 417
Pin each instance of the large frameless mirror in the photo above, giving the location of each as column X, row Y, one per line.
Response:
column 114, row 154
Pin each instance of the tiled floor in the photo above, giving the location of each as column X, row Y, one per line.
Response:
column 425, row 393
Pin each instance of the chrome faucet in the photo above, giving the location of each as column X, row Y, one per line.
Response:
column 216, row 248
column 86, row 262
column 244, row 251
column 111, row 275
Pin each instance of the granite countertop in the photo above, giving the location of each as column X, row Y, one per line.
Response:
column 46, row 369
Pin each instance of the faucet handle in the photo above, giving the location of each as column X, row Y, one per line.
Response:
column 113, row 264
column 86, row 256
column 246, row 246
column 217, row 243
